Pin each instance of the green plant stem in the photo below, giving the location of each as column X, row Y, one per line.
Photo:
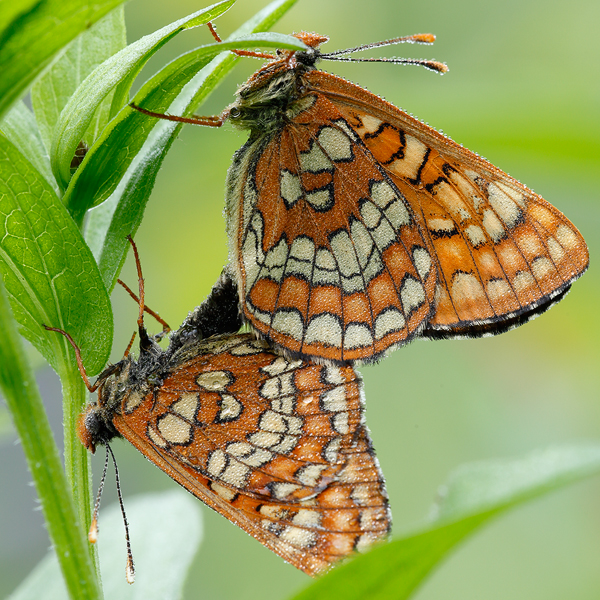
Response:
column 77, row 457
column 31, row 422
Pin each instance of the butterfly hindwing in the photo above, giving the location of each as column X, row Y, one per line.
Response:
column 277, row 447
column 332, row 261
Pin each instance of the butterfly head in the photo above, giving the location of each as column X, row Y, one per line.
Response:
column 94, row 426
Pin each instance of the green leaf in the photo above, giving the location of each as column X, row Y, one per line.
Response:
column 23, row 400
column 473, row 495
column 52, row 90
column 49, row 273
column 109, row 223
column 166, row 531
column 33, row 33
column 119, row 70
column 106, row 163
column 20, row 127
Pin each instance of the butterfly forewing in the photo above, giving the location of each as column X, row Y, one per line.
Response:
column 278, row 447
column 500, row 249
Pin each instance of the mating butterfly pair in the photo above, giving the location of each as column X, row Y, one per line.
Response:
column 354, row 228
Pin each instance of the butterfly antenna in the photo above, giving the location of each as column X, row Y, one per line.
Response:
column 419, row 38
column 130, row 567
column 93, row 532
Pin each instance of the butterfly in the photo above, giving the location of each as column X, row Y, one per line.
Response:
column 355, row 228
column 279, row 447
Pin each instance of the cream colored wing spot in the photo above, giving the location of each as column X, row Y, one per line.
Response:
column 214, row 381
column 567, row 238
column 321, row 200
column 286, row 445
column 467, row 288
column 235, row 474
column 288, row 322
column 370, row 214
column 336, row 144
column 274, row 512
column 265, row 439
column 493, row 226
column 325, row 269
column 301, row 258
column 297, row 537
column 370, row 124
column 281, row 490
column 365, row 541
column 345, row 255
column 324, row 329
column 222, row 491
column 497, row 289
column 505, row 207
column 475, row 235
column 231, row 409
column 155, row 437
column 333, row 375
column 285, row 404
column 555, row 250
column 542, row 267
column 412, row 294
column 515, row 195
column 370, row 518
column 216, row 463
column 339, row 423
column 133, row 400
column 174, row 429
column 523, row 281
column 278, row 423
column 248, row 454
column 422, row 261
column 357, row 335
column 361, row 494
column 275, row 260
column 441, row 226
column 391, row 202
column 281, row 365
column 315, row 160
column 187, row 406
column 331, row 450
column 307, row 518
column 414, row 153
column 282, row 385
column 389, row 321
column 290, row 188
column 334, row 400
column 250, row 347
column 310, row 474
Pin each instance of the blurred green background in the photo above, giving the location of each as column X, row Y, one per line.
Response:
column 523, row 91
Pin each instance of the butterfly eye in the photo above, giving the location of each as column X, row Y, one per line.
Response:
column 235, row 112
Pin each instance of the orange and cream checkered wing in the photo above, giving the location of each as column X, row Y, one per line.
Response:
column 503, row 254
column 332, row 262
column 280, row 448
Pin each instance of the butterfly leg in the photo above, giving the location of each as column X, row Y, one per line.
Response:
column 212, row 121
column 217, row 37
